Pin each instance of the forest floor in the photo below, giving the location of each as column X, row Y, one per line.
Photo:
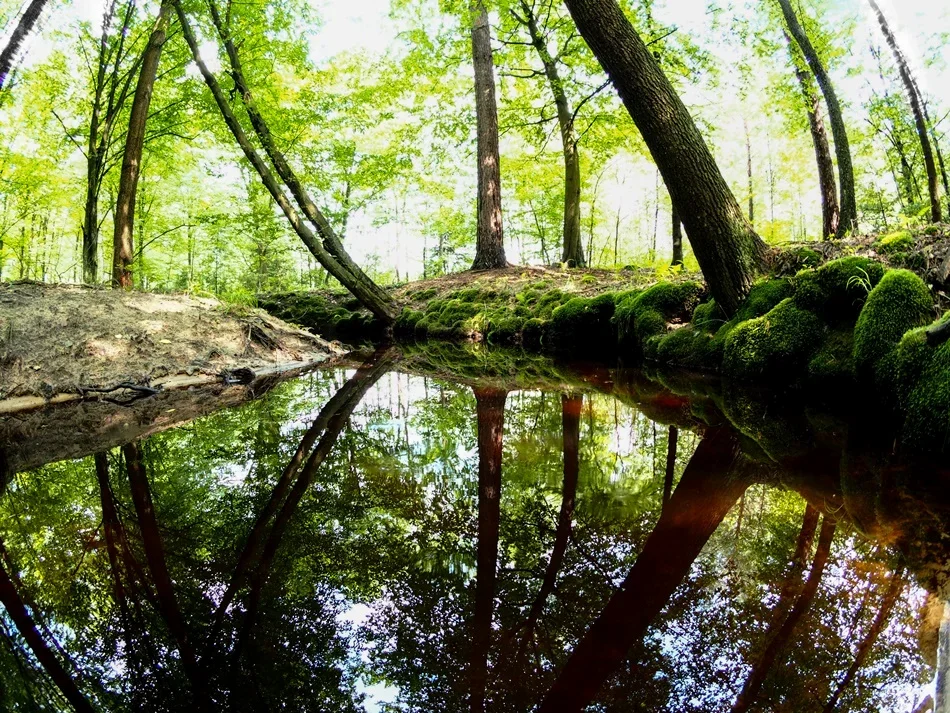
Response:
column 73, row 340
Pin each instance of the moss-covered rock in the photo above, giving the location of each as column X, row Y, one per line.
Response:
column 896, row 242
column 927, row 425
column 641, row 318
column 583, row 325
column 777, row 345
column 900, row 302
column 831, row 369
column 836, row 291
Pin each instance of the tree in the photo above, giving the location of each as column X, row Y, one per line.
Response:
column 729, row 252
column 22, row 30
column 490, row 237
column 847, row 200
column 916, row 105
column 122, row 254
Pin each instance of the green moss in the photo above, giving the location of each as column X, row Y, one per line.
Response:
column 927, row 426
column 901, row 301
column 707, row 317
column 582, row 325
column 504, row 330
column 641, row 318
column 897, row 242
column 832, row 367
column 836, row 291
column 532, row 332
column 777, row 345
column 763, row 297
column 550, row 302
column 426, row 293
column 916, row 260
column 589, row 280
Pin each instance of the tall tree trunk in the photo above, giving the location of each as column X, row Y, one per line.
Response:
column 819, row 138
column 16, row 610
column 894, row 588
column 783, row 636
column 573, row 248
column 670, row 464
column 490, row 404
column 122, row 253
column 90, row 224
column 22, row 30
column 490, row 239
column 728, row 250
column 706, row 492
column 367, row 292
column 847, row 201
column 916, row 106
column 748, row 154
column 677, row 239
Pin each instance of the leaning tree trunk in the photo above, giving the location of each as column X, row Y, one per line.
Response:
column 819, row 137
column 122, row 255
column 916, row 106
column 365, row 291
column 490, row 238
column 729, row 252
column 573, row 247
column 849, row 211
column 491, row 425
column 20, row 33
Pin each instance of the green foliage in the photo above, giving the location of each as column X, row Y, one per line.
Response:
column 900, row 302
column 836, row 291
column 777, row 345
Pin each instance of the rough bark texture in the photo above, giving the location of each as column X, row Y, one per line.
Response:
column 122, row 254
column 848, row 205
column 916, row 106
column 490, row 242
column 819, row 138
column 728, row 250
column 22, row 30
column 573, row 248
column 490, row 405
column 362, row 291
column 706, row 492
column 783, row 636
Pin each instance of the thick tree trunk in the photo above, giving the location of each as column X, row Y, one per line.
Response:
column 677, row 240
column 847, row 201
column 22, row 30
column 491, row 425
column 122, row 254
column 490, row 239
column 90, row 223
column 894, row 588
column 16, row 610
column 916, row 106
column 729, row 252
column 826, row 167
column 706, row 492
column 783, row 636
column 364, row 290
column 573, row 248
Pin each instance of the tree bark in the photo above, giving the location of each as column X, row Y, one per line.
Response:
column 490, row 238
column 365, row 291
column 490, row 404
column 670, row 464
column 729, row 252
column 16, row 610
column 706, row 492
column 782, row 637
column 819, row 138
column 848, row 204
column 573, row 248
column 916, row 106
column 894, row 588
column 22, row 30
column 122, row 252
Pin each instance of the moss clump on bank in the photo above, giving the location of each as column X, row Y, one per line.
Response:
column 837, row 290
column 901, row 301
column 335, row 316
column 927, row 404
column 896, row 242
column 640, row 319
column 776, row 345
column 583, row 326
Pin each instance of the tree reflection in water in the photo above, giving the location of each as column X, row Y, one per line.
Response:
column 420, row 545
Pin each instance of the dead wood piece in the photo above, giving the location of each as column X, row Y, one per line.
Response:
column 939, row 333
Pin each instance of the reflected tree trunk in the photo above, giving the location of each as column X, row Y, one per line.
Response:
column 670, row 464
column 783, row 636
column 706, row 492
column 26, row 626
column 490, row 404
column 894, row 588
column 112, row 527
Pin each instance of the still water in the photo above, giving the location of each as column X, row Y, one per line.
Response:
column 371, row 540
